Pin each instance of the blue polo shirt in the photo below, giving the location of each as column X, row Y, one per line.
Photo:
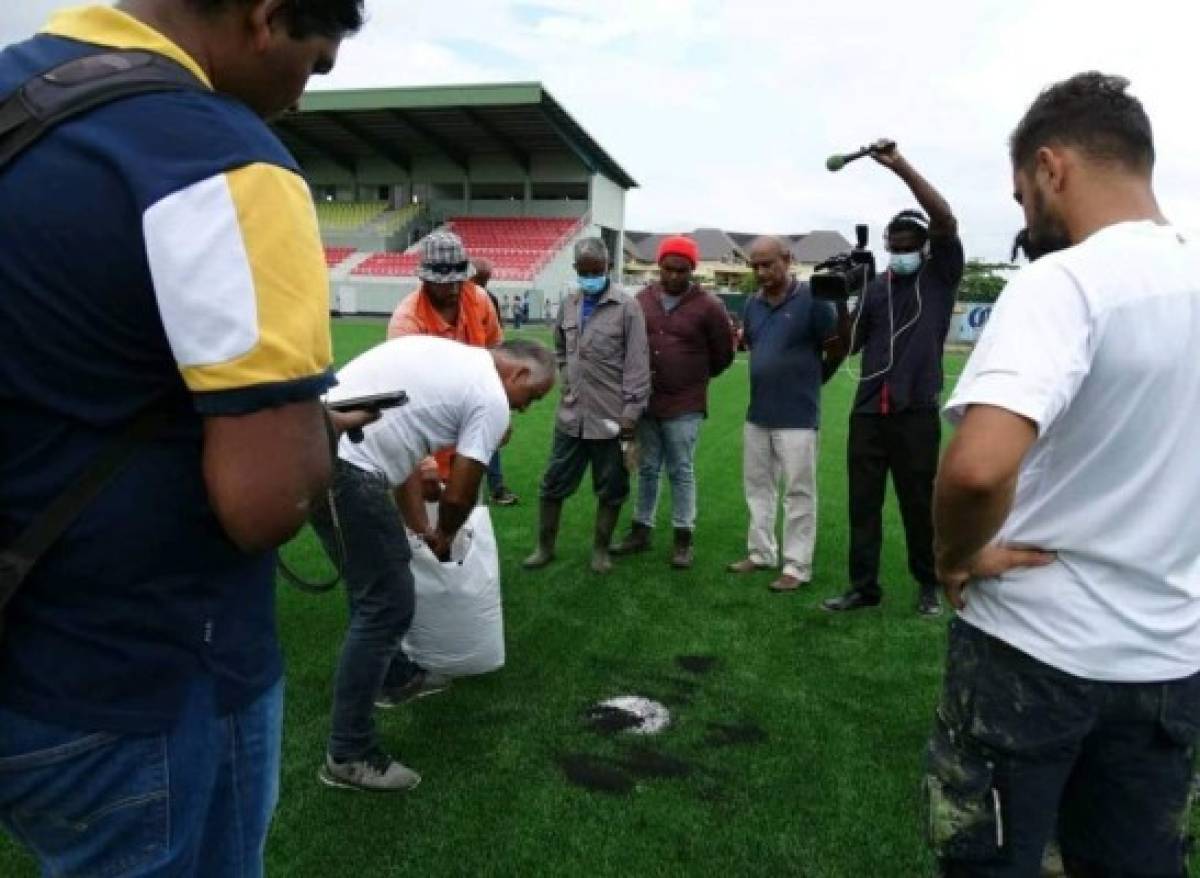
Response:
column 160, row 248
column 785, row 343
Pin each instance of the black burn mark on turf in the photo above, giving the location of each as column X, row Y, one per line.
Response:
column 596, row 774
column 650, row 764
column 734, row 735
column 611, row 720
column 697, row 664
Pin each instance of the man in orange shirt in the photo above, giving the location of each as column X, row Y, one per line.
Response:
column 447, row 305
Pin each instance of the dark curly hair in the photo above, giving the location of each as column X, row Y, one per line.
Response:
column 1091, row 112
column 306, row 18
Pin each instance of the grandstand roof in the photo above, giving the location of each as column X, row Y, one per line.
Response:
column 455, row 122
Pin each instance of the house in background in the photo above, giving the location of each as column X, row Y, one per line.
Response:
column 724, row 256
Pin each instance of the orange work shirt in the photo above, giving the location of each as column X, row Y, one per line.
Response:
column 478, row 325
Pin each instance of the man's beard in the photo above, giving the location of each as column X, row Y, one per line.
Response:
column 1047, row 233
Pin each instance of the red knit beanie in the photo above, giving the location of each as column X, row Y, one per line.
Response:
column 679, row 245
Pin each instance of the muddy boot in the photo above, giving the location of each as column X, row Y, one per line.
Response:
column 550, row 511
column 637, row 540
column 606, row 523
column 681, row 557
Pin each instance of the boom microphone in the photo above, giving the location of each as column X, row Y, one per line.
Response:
column 837, row 162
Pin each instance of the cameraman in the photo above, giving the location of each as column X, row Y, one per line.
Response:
column 900, row 326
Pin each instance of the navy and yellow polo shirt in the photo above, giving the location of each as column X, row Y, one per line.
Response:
column 163, row 247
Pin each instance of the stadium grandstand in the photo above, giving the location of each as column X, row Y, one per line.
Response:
column 725, row 256
column 504, row 166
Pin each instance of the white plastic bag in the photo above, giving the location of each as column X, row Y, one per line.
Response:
column 458, row 626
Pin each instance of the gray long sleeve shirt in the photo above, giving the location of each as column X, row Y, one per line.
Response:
column 605, row 365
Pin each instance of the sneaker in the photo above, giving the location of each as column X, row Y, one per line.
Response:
column 376, row 772
column 504, row 497
column 928, row 603
column 851, row 600
column 421, row 684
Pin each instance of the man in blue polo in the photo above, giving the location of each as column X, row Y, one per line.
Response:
column 159, row 251
column 786, row 331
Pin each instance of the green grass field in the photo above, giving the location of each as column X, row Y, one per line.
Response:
column 798, row 751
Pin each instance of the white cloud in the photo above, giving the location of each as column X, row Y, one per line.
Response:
column 725, row 112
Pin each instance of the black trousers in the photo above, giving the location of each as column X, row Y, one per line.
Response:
column 1022, row 753
column 907, row 445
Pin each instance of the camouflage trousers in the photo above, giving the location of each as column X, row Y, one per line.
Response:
column 1023, row 754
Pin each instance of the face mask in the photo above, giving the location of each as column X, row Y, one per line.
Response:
column 592, row 286
column 905, row 263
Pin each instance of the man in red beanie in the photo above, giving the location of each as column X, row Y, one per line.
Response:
column 690, row 343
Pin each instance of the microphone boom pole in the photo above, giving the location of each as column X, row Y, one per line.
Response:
column 837, row 162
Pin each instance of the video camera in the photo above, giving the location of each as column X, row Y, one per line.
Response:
column 847, row 274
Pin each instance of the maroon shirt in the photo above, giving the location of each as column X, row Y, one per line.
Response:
column 688, row 347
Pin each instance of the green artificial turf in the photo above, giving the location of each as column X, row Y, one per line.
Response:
column 795, row 747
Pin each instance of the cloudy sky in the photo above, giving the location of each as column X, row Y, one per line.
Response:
column 725, row 112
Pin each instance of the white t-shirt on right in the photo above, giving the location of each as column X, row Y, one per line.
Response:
column 455, row 397
column 1098, row 345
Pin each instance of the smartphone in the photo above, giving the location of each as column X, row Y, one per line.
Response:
column 376, row 402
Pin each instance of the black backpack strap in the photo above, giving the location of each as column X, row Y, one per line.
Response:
column 81, row 85
column 28, row 113
column 18, row 558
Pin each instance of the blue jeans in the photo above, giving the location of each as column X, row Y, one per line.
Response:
column 495, row 474
column 379, row 588
column 671, row 442
column 196, row 800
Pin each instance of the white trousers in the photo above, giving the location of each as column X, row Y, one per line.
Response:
column 771, row 460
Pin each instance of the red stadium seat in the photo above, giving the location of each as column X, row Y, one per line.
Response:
column 518, row 247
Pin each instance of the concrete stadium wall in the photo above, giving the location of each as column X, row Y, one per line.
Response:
column 608, row 203
column 379, row 297
column 368, row 295
column 608, row 211
column 361, row 241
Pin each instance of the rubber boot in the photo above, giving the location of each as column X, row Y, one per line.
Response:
column 549, row 515
column 681, row 558
column 606, row 523
column 637, row 540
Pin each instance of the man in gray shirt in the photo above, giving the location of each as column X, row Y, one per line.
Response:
column 604, row 361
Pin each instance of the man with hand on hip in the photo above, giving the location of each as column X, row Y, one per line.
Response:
column 1071, row 701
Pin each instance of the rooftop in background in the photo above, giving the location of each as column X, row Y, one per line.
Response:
column 451, row 122
column 717, row 245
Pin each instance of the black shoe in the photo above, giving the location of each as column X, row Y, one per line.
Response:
column 851, row 600
column 504, row 497
column 928, row 603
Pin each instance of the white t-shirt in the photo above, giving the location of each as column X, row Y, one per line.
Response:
column 455, row 397
column 1098, row 345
